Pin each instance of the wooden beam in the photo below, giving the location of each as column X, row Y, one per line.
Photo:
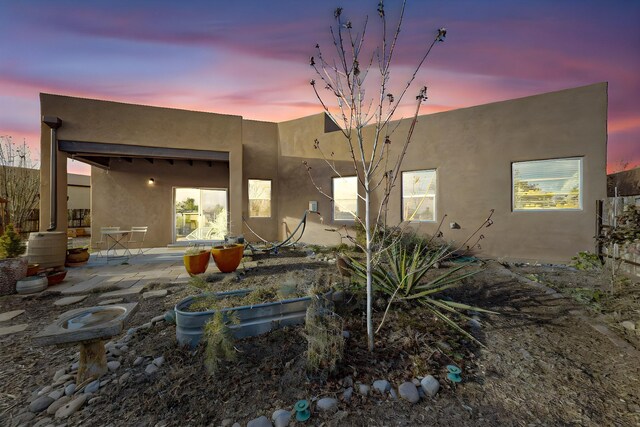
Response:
column 149, row 160
column 128, row 159
column 123, row 150
column 170, row 161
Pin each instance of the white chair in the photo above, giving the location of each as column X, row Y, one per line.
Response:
column 137, row 238
column 103, row 241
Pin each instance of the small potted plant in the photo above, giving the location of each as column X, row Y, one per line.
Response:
column 13, row 267
column 196, row 260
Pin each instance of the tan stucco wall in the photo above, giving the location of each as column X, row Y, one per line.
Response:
column 78, row 191
column 260, row 161
column 122, row 196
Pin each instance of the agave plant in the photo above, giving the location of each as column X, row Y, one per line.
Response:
column 401, row 275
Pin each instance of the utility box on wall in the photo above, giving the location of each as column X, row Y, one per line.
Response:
column 313, row 206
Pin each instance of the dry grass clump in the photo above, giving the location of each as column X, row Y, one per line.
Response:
column 323, row 331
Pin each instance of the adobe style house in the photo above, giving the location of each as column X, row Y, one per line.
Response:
column 539, row 162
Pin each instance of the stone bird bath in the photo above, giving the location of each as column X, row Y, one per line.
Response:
column 88, row 326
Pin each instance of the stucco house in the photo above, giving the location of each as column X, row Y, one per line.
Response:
column 539, row 162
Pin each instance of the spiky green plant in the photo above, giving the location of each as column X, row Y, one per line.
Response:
column 401, row 275
column 219, row 340
column 11, row 245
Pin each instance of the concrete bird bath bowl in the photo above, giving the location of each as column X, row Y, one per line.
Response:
column 88, row 327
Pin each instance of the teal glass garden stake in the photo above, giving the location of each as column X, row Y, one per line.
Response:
column 302, row 410
column 454, row 373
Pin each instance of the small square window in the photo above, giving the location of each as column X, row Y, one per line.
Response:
column 547, row 185
column 345, row 198
column 259, row 198
column 419, row 195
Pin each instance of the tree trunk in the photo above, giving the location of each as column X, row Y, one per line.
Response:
column 367, row 221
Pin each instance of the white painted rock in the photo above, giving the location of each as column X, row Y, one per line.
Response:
column 430, row 385
column 327, row 404
column 409, row 392
column 71, row 407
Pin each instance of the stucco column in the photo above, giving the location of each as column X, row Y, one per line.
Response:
column 45, row 183
column 236, row 195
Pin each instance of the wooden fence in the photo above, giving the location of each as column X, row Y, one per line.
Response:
column 625, row 257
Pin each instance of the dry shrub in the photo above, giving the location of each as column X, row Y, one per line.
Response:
column 324, row 336
column 219, row 341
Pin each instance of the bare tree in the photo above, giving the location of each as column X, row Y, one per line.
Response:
column 19, row 180
column 344, row 76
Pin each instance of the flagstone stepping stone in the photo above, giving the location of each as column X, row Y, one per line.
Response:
column 7, row 330
column 8, row 315
column 70, row 300
column 160, row 293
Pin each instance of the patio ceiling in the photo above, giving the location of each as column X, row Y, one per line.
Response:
column 99, row 154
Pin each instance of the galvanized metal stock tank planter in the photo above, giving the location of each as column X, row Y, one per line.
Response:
column 254, row 320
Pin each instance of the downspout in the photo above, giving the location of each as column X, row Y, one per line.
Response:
column 54, row 123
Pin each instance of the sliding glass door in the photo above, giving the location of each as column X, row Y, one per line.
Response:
column 199, row 214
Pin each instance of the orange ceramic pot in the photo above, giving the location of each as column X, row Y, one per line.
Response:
column 227, row 257
column 196, row 264
column 56, row 278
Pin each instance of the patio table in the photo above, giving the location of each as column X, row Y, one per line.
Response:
column 115, row 239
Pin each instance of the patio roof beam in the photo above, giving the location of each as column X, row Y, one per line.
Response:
column 149, row 160
column 83, row 148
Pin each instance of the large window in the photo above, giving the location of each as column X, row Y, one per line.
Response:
column 419, row 195
column 547, row 184
column 259, row 198
column 345, row 198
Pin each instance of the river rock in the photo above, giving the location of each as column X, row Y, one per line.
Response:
column 151, row 369
column 45, row 390
column 281, row 418
column 59, row 373
column 57, row 394
column 71, row 407
column 51, row 410
column 364, row 389
column 40, row 404
column 347, row 382
column 381, row 386
column 226, row 422
column 260, row 422
column 113, row 366
column 409, row 392
column 347, row 394
column 138, row 361
column 327, row 404
column 158, row 361
column 92, row 387
column 70, row 389
column 124, row 378
column 430, row 385
column 23, row 418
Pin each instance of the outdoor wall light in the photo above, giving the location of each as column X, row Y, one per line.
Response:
column 152, row 181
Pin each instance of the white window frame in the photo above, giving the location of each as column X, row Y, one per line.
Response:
column 333, row 194
column 270, row 197
column 580, row 186
column 435, row 196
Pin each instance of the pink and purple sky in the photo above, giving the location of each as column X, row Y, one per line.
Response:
column 250, row 58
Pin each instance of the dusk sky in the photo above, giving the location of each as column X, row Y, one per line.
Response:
column 250, row 58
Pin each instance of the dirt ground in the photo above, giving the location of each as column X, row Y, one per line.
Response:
column 543, row 361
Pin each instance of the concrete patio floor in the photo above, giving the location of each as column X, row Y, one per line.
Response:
column 125, row 275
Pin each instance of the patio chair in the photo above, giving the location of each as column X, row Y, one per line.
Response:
column 137, row 238
column 98, row 245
